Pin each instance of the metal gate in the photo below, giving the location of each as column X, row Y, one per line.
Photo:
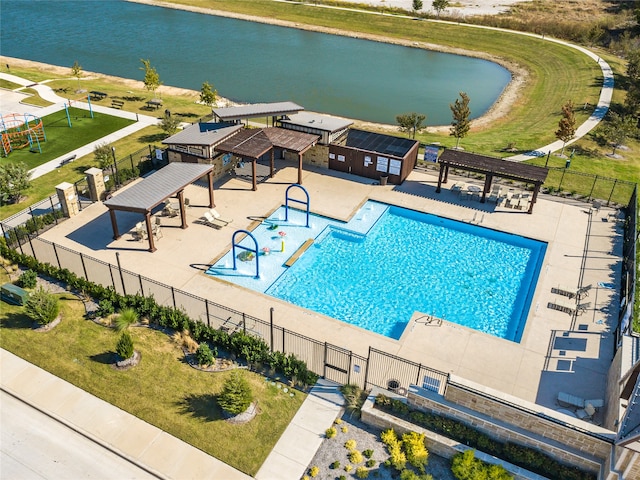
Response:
column 337, row 363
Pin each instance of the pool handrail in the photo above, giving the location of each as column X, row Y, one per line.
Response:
column 287, row 199
column 254, row 250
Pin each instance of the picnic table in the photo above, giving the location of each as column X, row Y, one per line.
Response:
column 154, row 103
column 98, row 95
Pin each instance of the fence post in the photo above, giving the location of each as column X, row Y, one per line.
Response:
column 324, row 361
column 418, row 376
column 595, row 180
column 615, row 181
column 53, row 210
column 206, row 309
column 561, row 178
column 350, row 367
column 33, row 223
column 151, row 151
column 244, row 324
column 75, row 187
column 131, row 160
column 84, row 268
column 173, row 297
column 113, row 282
column 55, row 251
column 283, row 330
column 141, row 288
column 31, row 245
column 271, row 328
column 124, row 289
column 366, row 370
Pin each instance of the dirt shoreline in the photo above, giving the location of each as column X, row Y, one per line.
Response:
column 498, row 110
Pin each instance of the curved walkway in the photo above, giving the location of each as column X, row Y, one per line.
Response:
column 47, row 93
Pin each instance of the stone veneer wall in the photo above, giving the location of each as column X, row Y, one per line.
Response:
column 317, row 155
column 513, row 425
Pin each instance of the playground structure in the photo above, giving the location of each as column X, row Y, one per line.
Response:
column 19, row 130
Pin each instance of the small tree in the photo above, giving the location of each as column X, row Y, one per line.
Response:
column 151, row 78
column 14, row 179
column 417, row 5
column 103, row 154
column 208, row 95
column 440, row 5
column 236, row 394
column 411, row 122
column 460, row 125
column 42, row 306
column 204, row 354
column 127, row 317
column 124, row 347
column 567, row 125
column 76, row 71
column 618, row 129
column 28, row 279
column 169, row 124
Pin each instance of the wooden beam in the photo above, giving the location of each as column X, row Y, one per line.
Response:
column 147, row 220
column 299, row 169
column 114, row 224
column 210, row 179
column 183, row 213
column 253, row 172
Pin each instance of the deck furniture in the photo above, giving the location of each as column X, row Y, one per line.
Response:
column 565, row 291
column 214, row 213
column 117, row 104
column 97, row 95
column 154, row 103
column 208, row 220
column 586, row 413
column 562, row 306
column 568, row 400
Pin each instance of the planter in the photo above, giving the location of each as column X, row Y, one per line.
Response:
column 383, row 179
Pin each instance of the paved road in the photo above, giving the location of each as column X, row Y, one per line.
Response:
column 35, row 446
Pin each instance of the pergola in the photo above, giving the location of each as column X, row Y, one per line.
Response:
column 492, row 167
column 167, row 182
column 251, row 144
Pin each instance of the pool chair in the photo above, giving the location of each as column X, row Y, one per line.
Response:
column 208, row 220
column 582, row 307
column 214, row 213
column 583, row 291
column 562, row 306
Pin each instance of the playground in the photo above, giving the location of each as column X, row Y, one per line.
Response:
column 20, row 131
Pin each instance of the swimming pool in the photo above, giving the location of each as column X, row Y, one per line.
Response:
column 388, row 262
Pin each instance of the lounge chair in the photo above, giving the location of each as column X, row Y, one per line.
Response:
column 587, row 412
column 568, row 400
column 214, row 213
column 582, row 307
column 207, row 219
column 563, row 306
column 583, row 291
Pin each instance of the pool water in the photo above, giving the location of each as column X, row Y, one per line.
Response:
column 388, row 262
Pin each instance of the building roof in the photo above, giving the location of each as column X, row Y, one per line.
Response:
column 317, row 121
column 378, row 142
column 206, row 134
column 253, row 143
column 156, row 188
column 497, row 166
column 256, row 110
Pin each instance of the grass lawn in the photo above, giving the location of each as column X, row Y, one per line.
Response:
column 62, row 139
column 162, row 390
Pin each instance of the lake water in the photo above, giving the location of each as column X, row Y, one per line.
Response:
column 250, row 62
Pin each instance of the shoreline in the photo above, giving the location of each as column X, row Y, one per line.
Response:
column 499, row 109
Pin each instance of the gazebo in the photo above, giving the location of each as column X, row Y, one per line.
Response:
column 491, row 167
column 251, row 144
column 167, row 182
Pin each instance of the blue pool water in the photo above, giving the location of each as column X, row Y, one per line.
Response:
column 388, row 262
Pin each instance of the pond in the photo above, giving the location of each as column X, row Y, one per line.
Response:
column 248, row 61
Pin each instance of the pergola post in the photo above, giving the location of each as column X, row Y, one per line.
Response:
column 114, row 224
column 440, row 174
column 183, row 213
column 253, row 172
column 210, row 179
column 147, row 221
column 299, row 168
column 488, row 179
column 536, row 189
column 272, row 164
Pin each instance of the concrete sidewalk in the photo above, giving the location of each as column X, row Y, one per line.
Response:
column 154, row 450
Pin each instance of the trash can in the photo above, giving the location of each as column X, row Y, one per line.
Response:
column 383, row 179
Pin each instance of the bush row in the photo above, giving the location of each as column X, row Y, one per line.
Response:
column 253, row 350
column 33, row 225
column 529, row 458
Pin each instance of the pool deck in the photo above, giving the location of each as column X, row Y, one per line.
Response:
column 557, row 352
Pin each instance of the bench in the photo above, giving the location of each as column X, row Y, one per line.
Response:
column 117, row 104
column 69, row 159
column 154, row 103
column 293, row 258
column 97, row 95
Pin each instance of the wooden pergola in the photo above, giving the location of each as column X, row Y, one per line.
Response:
column 492, row 167
column 252, row 144
column 167, row 182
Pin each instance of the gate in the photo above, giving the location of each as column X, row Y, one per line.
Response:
column 337, row 364
column 82, row 191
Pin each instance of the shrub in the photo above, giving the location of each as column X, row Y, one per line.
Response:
column 350, row 444
column 204, row 355
column 348, row 468
column 355, row 457
column 236, row 394
column 28, row 279
column 344, row 429
column 105, row 308
column 370, row 463
column 335, row 465
column 330, row 432
column 411, row 475
column 465, row 466
column 42, row 306
column 415, row 449
column 362, row 472
column 368, row 453
column 124, row 347
column 127, row 317
column 314, row 471
column 398, row 458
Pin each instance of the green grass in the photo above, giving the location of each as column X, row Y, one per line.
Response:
column 35, row 98
column 62, row 139
column 162, row 390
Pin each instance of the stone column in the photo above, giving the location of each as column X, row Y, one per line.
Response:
column 95, row 179
column 68, row 199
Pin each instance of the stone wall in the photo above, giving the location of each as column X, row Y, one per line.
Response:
column 317, row 155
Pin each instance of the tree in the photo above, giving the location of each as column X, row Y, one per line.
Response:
column 208, row 95
column 124, row 347
column 411, row 122
column 151, row 77
column 169, row 124
column 14, row 179
column 632, row 100
column 76, row 71
column 440, row 5
column 236, row 394
column 103, row 154
column 127, row 317
column 567, row 125
column 42, row 306
column 460, row 125
column 417, row 5
column 618, row 128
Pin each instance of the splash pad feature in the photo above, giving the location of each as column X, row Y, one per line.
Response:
column 19, row 130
